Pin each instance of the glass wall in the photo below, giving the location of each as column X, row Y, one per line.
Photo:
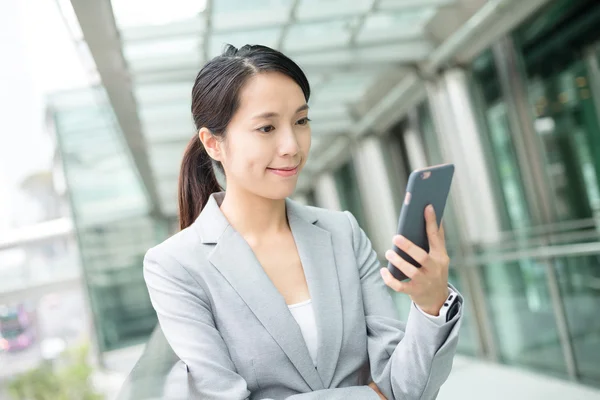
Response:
column 502, row 158
column 517, row 292
column 543, row 309
column 564, row 105
column 399, row 166
column 346, row 184
column 111, row 215
column 112, row 256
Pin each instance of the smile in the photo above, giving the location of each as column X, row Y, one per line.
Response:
column 286, row 171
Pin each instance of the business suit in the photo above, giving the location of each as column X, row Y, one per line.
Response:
column 234, row 333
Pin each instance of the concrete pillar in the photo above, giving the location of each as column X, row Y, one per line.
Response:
column 376, row 194
column 326, row 193
column 460, row 143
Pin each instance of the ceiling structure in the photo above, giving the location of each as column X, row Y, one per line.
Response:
column 366, row 60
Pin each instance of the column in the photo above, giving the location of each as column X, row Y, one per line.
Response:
column 374, row 185
column 326, row 193
column 474, row 202
column 460, row 143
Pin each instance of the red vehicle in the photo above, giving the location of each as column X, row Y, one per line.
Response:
column 16, row 330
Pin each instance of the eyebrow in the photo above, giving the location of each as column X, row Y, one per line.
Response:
column 274, row 114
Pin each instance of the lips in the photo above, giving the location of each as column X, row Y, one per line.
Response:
column 285, row 171
column 285, row 168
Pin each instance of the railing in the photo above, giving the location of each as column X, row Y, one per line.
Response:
column 159, row 373
column 41, row 260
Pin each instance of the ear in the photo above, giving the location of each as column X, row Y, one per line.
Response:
column 210, row 142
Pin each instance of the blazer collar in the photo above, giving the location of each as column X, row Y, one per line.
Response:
column 211, row 223
column 234, row 258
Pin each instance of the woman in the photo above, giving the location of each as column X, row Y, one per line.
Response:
column 263, row 298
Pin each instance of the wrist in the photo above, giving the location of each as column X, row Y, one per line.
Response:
column 434, row 308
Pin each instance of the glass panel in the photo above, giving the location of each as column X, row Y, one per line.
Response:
column 112, row 257
column 373, row 56
column 181, row 63
column 565, row 129
column 163, row 93
column 316, row 35
column 240, row 15
column 130, row 13
column 193, row 27
column 267, row 37
column 92, row 149
column 340, row 89
column 395, row 25
column 520, row 308
column 562, row 101
column 318, row 9
column 168, row 130
column 502, row 155
column 156, row 113
column 167, row 47
column 579, row 280
column 411, row 4
column 167, row 157
column 110, row 210
column 349, row 193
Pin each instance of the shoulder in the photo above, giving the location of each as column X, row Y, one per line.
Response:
column 178, row 249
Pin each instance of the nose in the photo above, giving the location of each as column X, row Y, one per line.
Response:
column 288, row 145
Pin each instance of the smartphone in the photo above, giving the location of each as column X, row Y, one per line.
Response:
column 425, row 186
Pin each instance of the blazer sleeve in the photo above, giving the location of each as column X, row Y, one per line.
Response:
column 409, row 361
column 186, row 319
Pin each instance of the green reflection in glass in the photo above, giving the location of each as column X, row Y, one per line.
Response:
column 520, row 308
column 502, row 158
column 579, row 282
column 349, row 193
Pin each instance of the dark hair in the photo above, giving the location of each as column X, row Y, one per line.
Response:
column 215, row 99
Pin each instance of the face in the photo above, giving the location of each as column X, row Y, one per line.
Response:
column 268, row 139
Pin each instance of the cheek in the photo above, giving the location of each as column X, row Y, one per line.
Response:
column 304, row 142
column 248, row 154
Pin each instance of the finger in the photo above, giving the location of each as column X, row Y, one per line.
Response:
column 417, row 253
column 405, row 267
column 433, row 232
column 442, row 234
column 394, row 283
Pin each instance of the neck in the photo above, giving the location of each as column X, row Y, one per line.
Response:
column 252, row 215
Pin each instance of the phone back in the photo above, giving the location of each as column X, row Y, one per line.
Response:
column 425, row 186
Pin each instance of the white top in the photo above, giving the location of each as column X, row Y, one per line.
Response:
column 304, row 315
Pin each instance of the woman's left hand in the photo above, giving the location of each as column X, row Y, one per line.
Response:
column 428, row 285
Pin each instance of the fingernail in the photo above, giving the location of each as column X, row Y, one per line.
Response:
column 430, row 208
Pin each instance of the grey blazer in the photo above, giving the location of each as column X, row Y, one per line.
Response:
column 237, row 339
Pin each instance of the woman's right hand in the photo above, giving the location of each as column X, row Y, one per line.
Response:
column 373, row 386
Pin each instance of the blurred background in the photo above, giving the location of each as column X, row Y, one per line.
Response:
column 94, row 106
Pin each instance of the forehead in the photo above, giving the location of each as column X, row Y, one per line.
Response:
column 271, row 91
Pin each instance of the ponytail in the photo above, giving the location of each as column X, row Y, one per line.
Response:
column 197, row 181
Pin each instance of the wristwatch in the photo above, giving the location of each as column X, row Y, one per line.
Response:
column 451, row 306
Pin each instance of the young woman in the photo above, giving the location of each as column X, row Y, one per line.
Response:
column 263, row 298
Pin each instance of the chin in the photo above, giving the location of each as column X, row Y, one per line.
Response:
column 279, row 192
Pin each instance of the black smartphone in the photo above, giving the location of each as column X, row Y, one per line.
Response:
column 425, row 186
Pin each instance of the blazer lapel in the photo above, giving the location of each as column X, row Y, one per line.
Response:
column 234, row 258
column 316, row 253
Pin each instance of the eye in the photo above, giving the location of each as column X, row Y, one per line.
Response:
column 267, row 129
column 303, row 121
